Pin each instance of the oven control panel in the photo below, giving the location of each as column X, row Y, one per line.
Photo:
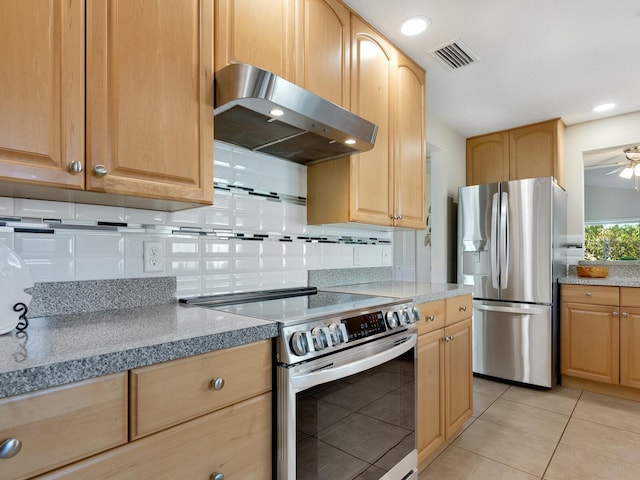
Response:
column 320, row 337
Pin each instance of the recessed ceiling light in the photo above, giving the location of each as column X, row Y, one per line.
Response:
column 276, row 112
column 414, row 26
column 604, row 107
column 350, row 141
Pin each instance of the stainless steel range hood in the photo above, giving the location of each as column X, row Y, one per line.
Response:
column 308, row 129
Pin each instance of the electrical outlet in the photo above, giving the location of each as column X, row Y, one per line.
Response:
column 153, row 257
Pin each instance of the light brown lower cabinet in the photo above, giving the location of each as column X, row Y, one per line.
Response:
column 191, row 418
column 234, row 442
column 445, row 376
column 600, row 338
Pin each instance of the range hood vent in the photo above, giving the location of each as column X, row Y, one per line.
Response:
column 455, row 54
column 308, row 128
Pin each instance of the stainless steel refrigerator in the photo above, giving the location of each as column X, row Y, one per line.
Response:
column 511, row 238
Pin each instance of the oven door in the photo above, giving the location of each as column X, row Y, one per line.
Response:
column 350, row 415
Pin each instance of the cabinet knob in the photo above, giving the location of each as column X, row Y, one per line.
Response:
column 431, row 318
column 588, row 294
column 217, row 476
column 448, row 338
column 625, row 314
column 100, row 170
column 399, row 217
column 75, row 166
column 217, row 383
column 462, row 309
column 615, row 314
column 10, row 447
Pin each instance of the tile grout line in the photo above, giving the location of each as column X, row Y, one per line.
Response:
column 560, row 438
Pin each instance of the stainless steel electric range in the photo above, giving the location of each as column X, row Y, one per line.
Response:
column 345, row 381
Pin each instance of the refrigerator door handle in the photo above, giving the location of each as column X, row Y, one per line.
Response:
column 529, row 310
column 504, row 240
column 494, row 242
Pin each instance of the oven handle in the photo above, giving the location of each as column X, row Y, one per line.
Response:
column 311, row 379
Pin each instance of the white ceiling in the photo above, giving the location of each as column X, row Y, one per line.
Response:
column 539, row 59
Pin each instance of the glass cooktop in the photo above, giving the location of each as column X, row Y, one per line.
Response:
column 297, row 309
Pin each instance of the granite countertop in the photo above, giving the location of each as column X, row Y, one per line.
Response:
column 416, row 291
column 610, row 281
column 61, row 349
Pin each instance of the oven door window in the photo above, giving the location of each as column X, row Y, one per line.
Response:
column 357, row 427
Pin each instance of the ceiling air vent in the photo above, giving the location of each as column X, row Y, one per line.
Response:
column 454, row 54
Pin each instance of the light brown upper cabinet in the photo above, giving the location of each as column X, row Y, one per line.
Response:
column 148, row 94
column 384, row 186
column 303, row 41
column 42, row 84
column 325, row 34
column 256, row 32
column 526, row 152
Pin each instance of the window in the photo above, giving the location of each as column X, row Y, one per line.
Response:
column 612, row 241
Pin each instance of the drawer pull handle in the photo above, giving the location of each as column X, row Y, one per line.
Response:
column 217, row 384
column 10, row 447
column 431, row 318
column 217, row 476
column 588, row 294
column 615, row 314
column 462, row 309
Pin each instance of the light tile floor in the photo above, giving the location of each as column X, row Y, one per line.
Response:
column 561, row 434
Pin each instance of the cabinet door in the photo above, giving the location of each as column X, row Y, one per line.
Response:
column 256, row 32
column 373, row 62
column 150, row 98
column 589, row 336
column 42, row 85
column 324, row 67
column 534, row 151
column 458, row 376
column 234, row 442
column 630, row 347
column 488, row 158
column 430, row 410
column 64, row 424
column 409, row 162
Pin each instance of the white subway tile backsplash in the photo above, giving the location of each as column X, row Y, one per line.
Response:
column 99, row 245
column 246, row 265
column 52, row 269
column 44, row 246
column 188, row 286
column 271, row 280
column 106, row 267
column 244, row 282
column 25, row 207
column 6, row 206
column 182, row 247
column 99, row 212
column 203, row 264
column 217, row 284
column 144, row 217
column 218, row 265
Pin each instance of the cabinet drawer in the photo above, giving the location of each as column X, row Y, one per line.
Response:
column 590, row 294
column 234, row 441
column 630, row 296
column 431, row 316
column 63, row 424
column 167, row 394
column 458, row 308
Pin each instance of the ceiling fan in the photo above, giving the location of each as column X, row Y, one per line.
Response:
column 631, row 167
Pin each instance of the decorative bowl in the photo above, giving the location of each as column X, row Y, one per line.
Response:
column 592, row 271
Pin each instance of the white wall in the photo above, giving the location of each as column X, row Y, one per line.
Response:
column 584, row 137
column 598, row 202
column 447, row 149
